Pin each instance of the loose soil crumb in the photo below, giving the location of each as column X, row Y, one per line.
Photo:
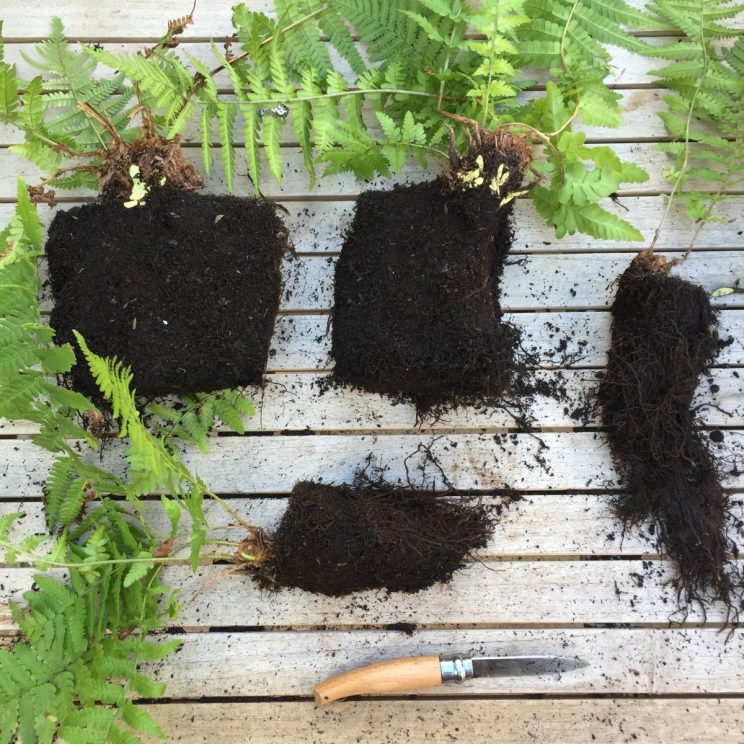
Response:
column 336, row 540
column 416, row 313
column 185, row 289
column 663, row 339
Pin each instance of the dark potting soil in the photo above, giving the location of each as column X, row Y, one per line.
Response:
column 663, row 339
column 184, row 289
column 336, row 540
column 416, row 312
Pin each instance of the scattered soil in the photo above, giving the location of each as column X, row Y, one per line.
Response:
column 336, row 540
column 663, row 339
column 416, row 313
column 185, row 288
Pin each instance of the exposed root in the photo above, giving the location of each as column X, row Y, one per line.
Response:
column 491, row 156
column 663, row 339
column 336, row 540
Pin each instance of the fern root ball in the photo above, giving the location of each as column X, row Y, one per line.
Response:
column 184, row 288
column 336, row 540
column 663, row 339
column 416, row 313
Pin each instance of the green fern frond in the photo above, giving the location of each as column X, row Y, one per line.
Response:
column 68, row 678
column 705, row 112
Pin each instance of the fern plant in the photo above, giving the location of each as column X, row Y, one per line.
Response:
column 425, row 75
column 72, row 674
column 705, row 108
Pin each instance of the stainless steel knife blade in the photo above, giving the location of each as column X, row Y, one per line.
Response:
column 458, row 668
column 520, row 666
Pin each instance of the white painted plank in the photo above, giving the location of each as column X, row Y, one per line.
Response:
column 568, row 339
column 296, row 181
column 535, row 526
column 621, row 661
column 303, row 342
column 290, row 402
column 496, row 594
column 136, row 18
column 557, row 339
column 613, row 721
column 539, row 282
column 551, row 461
column 319, row 227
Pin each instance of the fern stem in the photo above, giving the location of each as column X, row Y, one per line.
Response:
column 35, row 559
column 487, row 97
column 566, row 124
column 69, row 169
column 564, row 36
column 442, row 83
column 247, row 525
column 688, row 122
column 343, row 94
column 721, row 194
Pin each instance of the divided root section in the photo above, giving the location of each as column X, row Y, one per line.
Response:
column 416, row 312
column 663, row 339
column 336, row 540
column 184, row 288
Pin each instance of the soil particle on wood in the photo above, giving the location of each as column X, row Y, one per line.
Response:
column 184, row 289
column 416, row 312
column 336, row 540
column 663, row 339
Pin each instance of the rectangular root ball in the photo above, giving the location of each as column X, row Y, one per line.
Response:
column 336, row 540
column 183, row 288
column 416, row 313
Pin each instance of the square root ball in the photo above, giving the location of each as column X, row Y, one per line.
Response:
column 184, row 288
column 416, row 313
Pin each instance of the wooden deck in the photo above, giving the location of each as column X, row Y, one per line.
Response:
column 558, row 575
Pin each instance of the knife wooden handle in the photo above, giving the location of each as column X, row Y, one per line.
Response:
column 395, row 675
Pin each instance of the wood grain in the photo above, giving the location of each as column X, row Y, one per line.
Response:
column 402, row 675
column 613, row 721
column 557, row 561
column 553, row 593
column 550, row 461
column 295, row 401
column 534, row 527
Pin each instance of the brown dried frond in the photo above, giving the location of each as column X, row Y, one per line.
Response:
column 39, row 195
column 179, row 25
column 164, row 549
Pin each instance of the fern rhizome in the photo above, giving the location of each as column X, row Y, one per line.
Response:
column 664, row 328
